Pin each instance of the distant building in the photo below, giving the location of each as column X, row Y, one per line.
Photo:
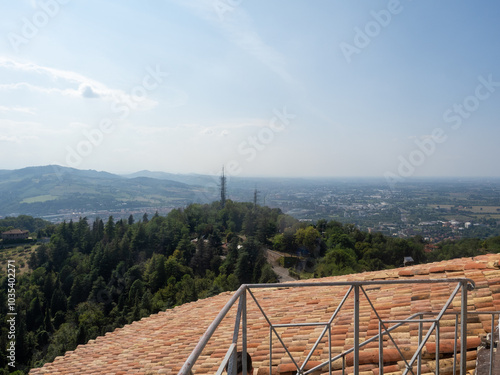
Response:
column 430, row 248
column 468, row 225
column 15, row 234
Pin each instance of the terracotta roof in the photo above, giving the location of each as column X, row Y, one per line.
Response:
column 16, row 231
column 162, row 342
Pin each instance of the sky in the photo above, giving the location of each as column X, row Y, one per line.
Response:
column 284, row 88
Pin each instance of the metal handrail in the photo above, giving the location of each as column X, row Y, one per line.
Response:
column 186, row 368
column 355, row 287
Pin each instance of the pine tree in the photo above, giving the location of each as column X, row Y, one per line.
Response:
column 109, row 229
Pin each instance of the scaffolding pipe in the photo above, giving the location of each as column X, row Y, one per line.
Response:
column 492, row 342
column 188, row 365
column 464, row 286
column 243, row 301
column 229, row 353
column 231, row 365
column 455, row 344
column 290, row 285
column 380, row 349
column 463, row 328
column 419, row 358
column 437, row 347
column 356, row 330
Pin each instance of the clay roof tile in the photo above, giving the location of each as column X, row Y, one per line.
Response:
column 162, row 342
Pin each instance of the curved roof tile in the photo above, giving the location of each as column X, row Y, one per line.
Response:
column 161, row 343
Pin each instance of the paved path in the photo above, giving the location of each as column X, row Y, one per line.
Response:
column 272, row 258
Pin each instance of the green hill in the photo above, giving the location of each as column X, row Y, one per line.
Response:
column 48, row 189
column 93, row 277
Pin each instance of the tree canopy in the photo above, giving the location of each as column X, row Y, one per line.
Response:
column 93, row 277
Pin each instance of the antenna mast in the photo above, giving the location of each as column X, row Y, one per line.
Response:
column 223, row 189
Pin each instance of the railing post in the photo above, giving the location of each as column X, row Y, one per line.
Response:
column 455, row 349
column 463, row 329
column 241, row 317
column 420, row 329
column 232, row 360
column 380, row 349
column 491, row 370
column 438, row 324
column 492, row 342
column 270, row 350
column 356, row 330
column 244, row 331
column 188, row 364
column 329, row 349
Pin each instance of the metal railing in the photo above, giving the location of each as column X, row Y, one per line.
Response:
column 431, row 320
column 491, row 343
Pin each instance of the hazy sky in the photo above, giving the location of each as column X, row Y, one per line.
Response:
column 266, row 88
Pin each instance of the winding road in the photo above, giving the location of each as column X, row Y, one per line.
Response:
column 272, row 258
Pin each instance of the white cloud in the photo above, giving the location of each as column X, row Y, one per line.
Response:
column 18, row 131
column 78, row 125
column 227, row 125
column 207, row 131
column 40, row 89
column 74, row 85
column 222, row 129
column 174, row 97
column 9, row 138
column 27, row 110
column 88, row 91
column 150, row 130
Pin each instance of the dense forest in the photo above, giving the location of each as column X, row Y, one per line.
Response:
column 94, row 277
column 344, row 249
column 91, row 278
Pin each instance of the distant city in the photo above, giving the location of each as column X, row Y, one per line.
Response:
column 436, row 209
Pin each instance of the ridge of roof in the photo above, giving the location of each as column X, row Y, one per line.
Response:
column 16, row 231
column 160, row 343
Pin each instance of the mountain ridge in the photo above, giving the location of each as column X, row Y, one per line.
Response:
column 49, row 189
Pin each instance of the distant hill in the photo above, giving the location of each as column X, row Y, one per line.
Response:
column 189, row 179
column 49, row 189
column 236, row 181
column 52, row 189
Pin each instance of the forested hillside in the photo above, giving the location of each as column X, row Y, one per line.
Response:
column 332, row 248
column 93, row 277
column 49, row 189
